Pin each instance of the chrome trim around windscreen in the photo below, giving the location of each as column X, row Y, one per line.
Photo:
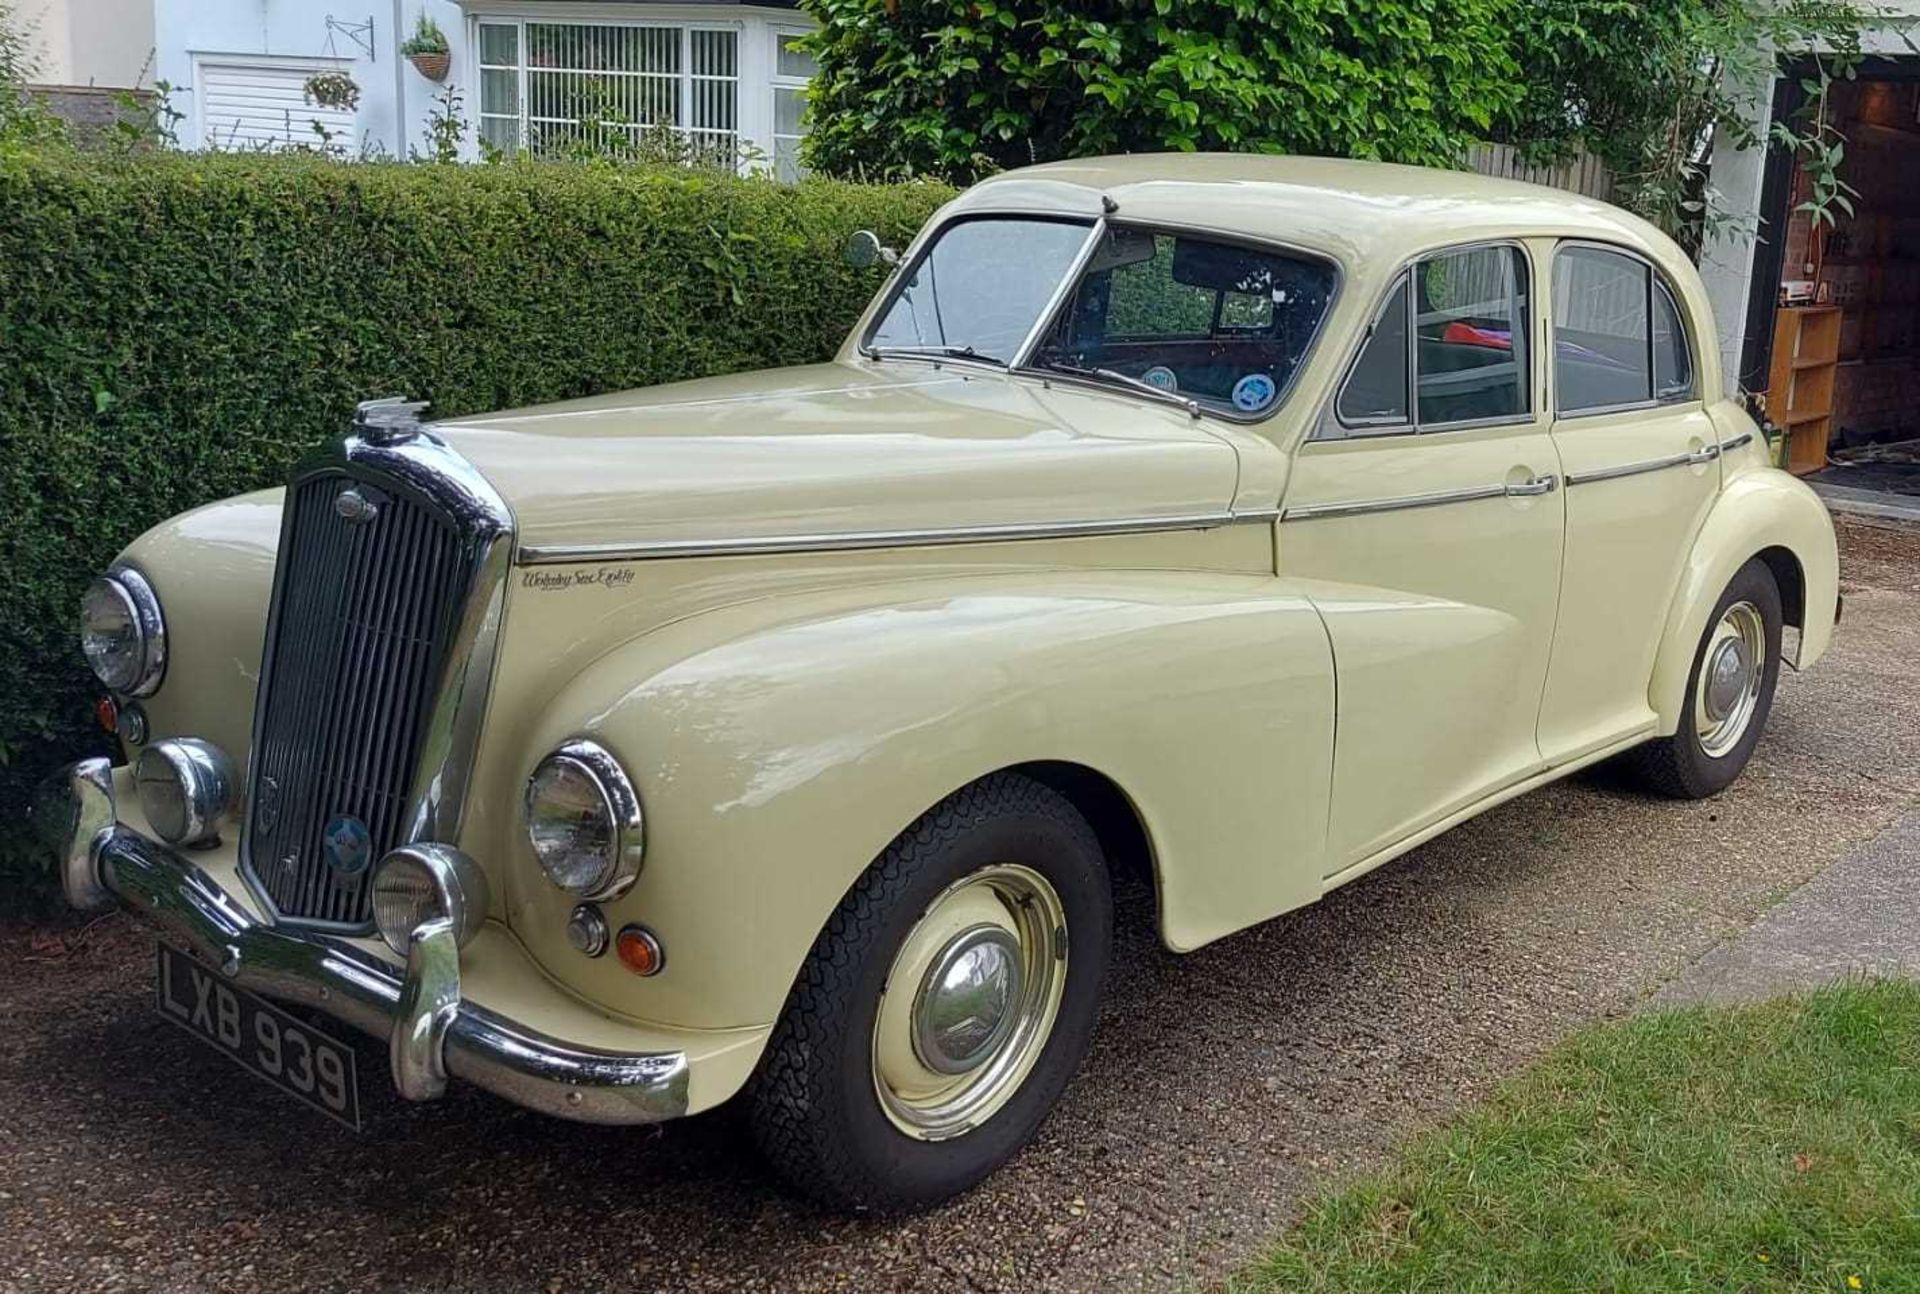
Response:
column 829, row 542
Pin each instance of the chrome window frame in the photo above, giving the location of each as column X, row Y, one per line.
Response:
column 1657, row 281
column 1324, row 426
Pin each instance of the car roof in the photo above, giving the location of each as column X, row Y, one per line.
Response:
column 1362, row 213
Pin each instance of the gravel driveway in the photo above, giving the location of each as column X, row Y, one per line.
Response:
column 1221, row 1085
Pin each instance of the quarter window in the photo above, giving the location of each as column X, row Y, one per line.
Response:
column 1618, row 336
column 1466, row 312
column 1376, row 393
column 1672, row 363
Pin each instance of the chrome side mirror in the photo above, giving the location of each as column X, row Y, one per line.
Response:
column 865, row 249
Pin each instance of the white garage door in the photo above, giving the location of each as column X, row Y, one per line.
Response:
column 263, row 104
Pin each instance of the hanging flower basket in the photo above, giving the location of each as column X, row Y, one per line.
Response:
column 427, row 49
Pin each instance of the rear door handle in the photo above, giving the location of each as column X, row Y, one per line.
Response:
column 1538, row 485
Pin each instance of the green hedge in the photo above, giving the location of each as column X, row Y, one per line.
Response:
column 179, row 328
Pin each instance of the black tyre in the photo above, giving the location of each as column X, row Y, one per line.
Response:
column 945, row 1006
column 1729, row 693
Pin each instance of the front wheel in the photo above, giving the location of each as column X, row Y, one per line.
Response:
column 945, row 1006
column 1729, row 692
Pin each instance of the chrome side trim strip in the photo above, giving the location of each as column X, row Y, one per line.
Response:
column 1635, row 469
column 1705, row 454
column 650, row 550
column 1439, row 498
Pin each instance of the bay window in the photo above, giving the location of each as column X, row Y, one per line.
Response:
column 546, row 86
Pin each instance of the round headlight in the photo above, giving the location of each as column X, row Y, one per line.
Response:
column 583, row 821
column 416, row 884
column 187, row 789
column 122, row 633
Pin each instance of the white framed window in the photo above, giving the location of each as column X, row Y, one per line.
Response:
column 793, row 70
column 544, row 86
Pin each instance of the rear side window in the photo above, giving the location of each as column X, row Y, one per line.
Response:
column 1618, row 339
column 1449, row 347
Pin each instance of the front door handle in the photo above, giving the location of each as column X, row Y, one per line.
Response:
column 1538, row 485
column 1705, row 454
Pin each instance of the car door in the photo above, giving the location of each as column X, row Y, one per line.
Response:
column 1640, row 456
column 1427, row 500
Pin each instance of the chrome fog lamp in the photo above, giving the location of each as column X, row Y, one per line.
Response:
column 188, row 788
column 122, row 632
column 584, row 821
column 416, row 884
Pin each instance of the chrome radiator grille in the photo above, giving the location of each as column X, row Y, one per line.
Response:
column 385, row 583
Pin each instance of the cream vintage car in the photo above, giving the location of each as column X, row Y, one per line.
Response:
column 1247, row 521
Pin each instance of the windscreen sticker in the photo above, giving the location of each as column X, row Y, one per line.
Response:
column 1162, row 377
column 1254, row 392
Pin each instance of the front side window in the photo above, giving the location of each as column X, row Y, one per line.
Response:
column 643, row 89
column 1471, row 320
column 1221, row 324
column 1466, row 311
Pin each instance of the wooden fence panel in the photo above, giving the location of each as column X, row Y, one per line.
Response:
column 1581, row 173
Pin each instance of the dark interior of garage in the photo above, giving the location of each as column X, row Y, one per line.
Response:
column 1841, row 362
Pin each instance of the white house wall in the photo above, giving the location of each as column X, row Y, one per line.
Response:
column 189, row 33
column 102, row 43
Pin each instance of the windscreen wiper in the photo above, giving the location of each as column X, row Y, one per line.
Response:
column 1191, row 405
column 951, row 352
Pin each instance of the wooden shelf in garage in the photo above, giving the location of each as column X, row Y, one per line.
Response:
column 1806, row 354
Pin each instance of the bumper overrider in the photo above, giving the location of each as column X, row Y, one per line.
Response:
column 430, row 1031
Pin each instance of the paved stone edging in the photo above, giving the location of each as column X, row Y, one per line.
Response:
column 1860, row 916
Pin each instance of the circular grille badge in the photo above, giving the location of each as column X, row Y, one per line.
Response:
column 348, row 845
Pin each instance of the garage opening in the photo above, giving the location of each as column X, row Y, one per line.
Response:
column 1840, row 362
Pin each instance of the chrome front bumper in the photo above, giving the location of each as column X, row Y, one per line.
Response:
column 430, row 1031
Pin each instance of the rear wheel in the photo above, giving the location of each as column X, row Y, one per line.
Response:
column 1729, row 692
column 945, row 1006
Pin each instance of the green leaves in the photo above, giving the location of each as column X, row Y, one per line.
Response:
column 1408, row 80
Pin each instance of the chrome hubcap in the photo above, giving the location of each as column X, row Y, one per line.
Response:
column 965, row 1007
column 1731, row 669
column 970, row 1002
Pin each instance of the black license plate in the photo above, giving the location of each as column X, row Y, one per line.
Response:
column 266, row 1041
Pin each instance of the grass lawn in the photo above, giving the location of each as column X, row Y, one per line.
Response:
column 1774, row 1147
